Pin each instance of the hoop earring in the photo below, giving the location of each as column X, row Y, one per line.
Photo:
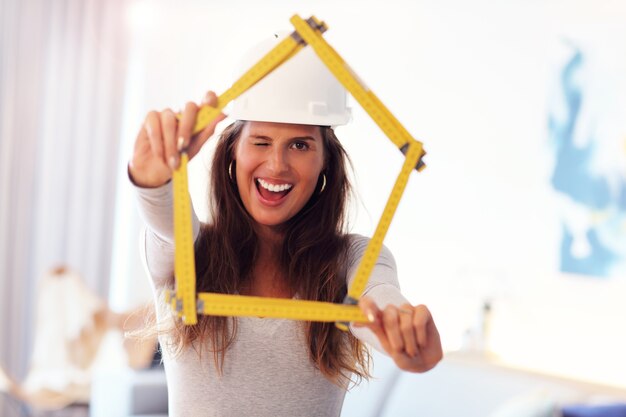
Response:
column 323, row 183
column 230, row 170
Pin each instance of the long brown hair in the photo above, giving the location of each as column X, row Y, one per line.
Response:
column 312, row 258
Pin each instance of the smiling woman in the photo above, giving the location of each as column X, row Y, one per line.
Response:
column 278, row 169
column 279, row 192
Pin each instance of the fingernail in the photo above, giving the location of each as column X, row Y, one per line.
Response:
column 173, row 162
column 181, row 142
column 371, row 317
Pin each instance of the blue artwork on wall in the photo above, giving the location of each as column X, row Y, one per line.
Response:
column 593, row 194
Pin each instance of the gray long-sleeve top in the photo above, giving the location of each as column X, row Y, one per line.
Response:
column 267, row 370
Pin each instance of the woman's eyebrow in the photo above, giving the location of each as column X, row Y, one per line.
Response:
column 260, row 137
column 263, row 137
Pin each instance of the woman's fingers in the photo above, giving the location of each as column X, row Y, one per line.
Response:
column 147, row 166
column 407, row 333
column 159, row 142
column 169, row 127
column 385, row 325
column 185, row 126
column 428, row 337
column 162, row 136
column 210, row 99
column 152, row 125
column 391, row 321
column 402, row 329
column 369, row 308
column 406, row 314
column 371, row 311
column 421, row 320
column 170, row 133
column 374, row 315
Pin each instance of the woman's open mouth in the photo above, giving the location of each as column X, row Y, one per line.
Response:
column 272, row 194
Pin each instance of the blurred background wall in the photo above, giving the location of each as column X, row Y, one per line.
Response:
column 514, row 235
column 62, row 76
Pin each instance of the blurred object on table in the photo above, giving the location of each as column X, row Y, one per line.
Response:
column 75, row 334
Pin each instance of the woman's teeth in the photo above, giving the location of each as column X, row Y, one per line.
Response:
column 276, row 188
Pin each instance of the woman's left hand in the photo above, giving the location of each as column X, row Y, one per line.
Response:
column 407, row 333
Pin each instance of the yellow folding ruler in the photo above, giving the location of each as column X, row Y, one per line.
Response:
column 185, row 301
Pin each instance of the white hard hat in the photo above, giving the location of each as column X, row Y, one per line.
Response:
column 301, row 90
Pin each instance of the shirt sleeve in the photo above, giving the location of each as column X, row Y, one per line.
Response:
column 157, row 238
column 382, row 286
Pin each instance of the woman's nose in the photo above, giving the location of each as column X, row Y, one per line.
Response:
column 278, row 162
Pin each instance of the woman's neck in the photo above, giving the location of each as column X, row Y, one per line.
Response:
column 267, row 277
column 270, row 242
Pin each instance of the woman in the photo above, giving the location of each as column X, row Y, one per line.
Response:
column 278, row 192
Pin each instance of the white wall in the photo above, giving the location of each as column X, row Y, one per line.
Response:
column 475, row 82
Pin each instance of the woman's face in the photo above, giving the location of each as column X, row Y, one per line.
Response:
column 277, row 169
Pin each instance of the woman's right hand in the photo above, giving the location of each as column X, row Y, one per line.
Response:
column 156, row 152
